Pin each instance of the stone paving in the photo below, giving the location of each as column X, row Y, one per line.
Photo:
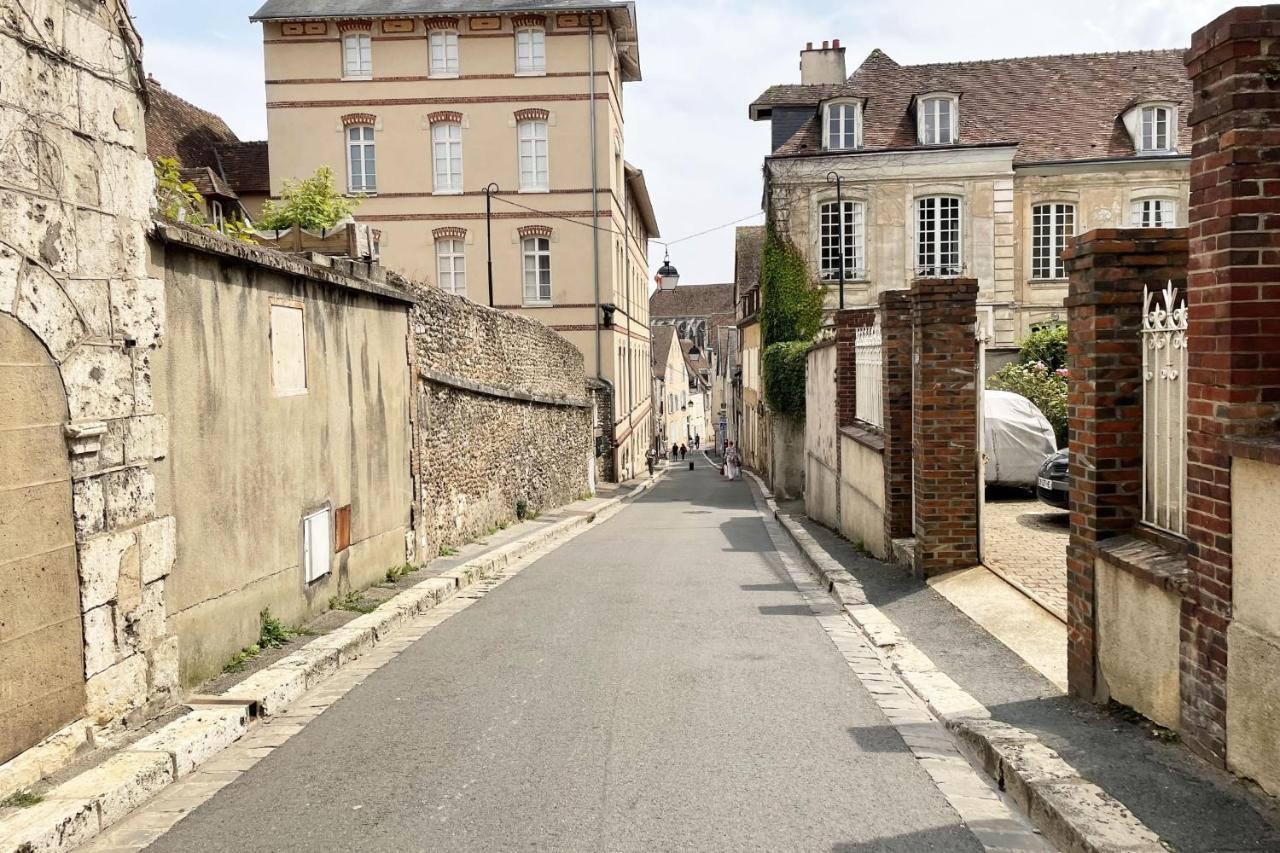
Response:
column 1025, row 542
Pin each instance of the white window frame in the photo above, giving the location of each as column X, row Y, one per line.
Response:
column 1149, row 116
column 1053, row 224
column 317, row 545
column 217, row 215
column 937, row 264
column 929, row 106
column 531, row 51
column 533, row 251
column 288, row 319
column 854, row 250
column 535, row 176
column 368, row 154
column 1153, row 212
column 443, row 60
column 451, row 266
column 446, row 148
column 844, row 112
column 361, row 43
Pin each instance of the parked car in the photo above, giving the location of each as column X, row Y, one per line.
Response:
column 1017, row 438
column 1053, row 483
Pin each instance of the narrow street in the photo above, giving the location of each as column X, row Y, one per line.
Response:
column 658, row 683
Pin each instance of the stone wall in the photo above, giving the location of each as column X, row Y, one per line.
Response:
column 821, row 441
column 501, row 415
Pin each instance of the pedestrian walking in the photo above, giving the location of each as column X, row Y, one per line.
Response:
column 684, row 451
column 732, row 461
column 651, row 459
column 697, row 441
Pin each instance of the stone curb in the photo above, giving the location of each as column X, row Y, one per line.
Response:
column 1074, row 814
column 76, row 811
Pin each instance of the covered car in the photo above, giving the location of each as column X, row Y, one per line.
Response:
column 1017, row 439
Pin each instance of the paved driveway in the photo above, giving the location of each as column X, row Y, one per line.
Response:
column 1025, row 542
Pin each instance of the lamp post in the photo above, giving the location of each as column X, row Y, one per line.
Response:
column 832, row 177
column 488, row 226
column 668, row 276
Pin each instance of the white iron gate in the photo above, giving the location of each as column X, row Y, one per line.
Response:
column 1164, row 409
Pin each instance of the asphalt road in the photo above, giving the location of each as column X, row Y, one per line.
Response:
column 655, row 684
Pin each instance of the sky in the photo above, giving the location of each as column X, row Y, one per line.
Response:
column 703, row 62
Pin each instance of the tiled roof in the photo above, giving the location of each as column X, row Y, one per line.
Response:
column 246, row 166
column 691, row 300
column 207, row 150
column 662, row 336
column 749, row 257
column 1052, row 107
column 207, row 182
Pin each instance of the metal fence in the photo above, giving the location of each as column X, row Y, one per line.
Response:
column 869, row 359
column 1164, row 409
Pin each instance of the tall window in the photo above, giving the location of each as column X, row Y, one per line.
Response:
column 357, row 55
column 534, row 168
column 444, row 53
column 451, row 264
column 833, row 252
column 1052, row 226
column 1156, row 129
column 937, row 120
column 446, row 145
column 938, row 236
column 841, row 126
column 363, row 172
column 537, row 269
column 531, row 51
column 1154, row 213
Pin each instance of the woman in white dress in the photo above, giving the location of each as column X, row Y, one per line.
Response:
column 731, row 461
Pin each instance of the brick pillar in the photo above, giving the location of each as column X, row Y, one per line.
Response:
column 847, row 322
column 896, row 337
column 1234, row 297
column 1108, row 270
column 945, row 424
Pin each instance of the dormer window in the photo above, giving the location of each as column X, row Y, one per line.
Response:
column 842, row 125
column 938, row 118
column 1153, row 127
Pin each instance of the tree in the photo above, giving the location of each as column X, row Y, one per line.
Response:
column 314, row 204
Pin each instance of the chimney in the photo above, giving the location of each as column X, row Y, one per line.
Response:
column 824, row 65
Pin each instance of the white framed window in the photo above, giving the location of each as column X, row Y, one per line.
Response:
column 216, row 214
column 362, row 168
column 938, row 236
column 443, row 46
column 288, row 349
column 1052, row 227
column 317, row 544
column 1156, row 129
column 531, row 50
column 451, row 265
column 937, row 118
column 537, row 269
column 842, row 126
column 357, row 56
column 446, row 152
column 841, row 240
column 535, row 171
column 1154, row 213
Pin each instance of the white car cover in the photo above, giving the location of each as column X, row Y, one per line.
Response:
column 1018, row 438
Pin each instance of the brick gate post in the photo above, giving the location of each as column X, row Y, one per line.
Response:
column 945, row 424
column 896, row 336
column 1234, row 297
column 1108, row 269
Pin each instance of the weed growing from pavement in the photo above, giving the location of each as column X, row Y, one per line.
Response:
column 1153, row 730
column 272, row 634
column 352, row 602
column 448, row 552
column 22, row 799
column 395, row 573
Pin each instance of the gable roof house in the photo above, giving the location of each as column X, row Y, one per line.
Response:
column 981, row 169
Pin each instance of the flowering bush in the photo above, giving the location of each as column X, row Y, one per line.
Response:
column 1046, row 388
column 1047, row 346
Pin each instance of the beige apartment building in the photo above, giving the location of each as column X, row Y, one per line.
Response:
column 983, row 169
column 436, row 111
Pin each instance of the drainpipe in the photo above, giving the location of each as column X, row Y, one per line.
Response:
column 595, row 192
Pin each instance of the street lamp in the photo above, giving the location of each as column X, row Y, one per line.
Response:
column 488, row 225
column 668, row 276
column 832, row 177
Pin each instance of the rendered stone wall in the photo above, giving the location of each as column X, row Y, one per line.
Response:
column 501, row 415
column 821, row 443
column 862, row 516
column 75, row 196
column 1137, row 640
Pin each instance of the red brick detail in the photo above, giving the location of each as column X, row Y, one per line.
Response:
column 847, row 322
column 355, row 26
column 945, row 424
column 534, row 231
column 445, row 117
column 1233, row 292
column 896, row 337
column 450, row 233
column 1108, row 269
column 353, row 119
column 533, row 114
column 443, row 23
column 522, row 21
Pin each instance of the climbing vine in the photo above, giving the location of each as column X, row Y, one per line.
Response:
column 791, row 305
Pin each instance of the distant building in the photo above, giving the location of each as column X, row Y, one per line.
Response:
column 704, row 315
column 750, row 429
column 978, row 169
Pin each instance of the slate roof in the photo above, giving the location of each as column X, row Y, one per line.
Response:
column 691, row 300
column 286, row 9
column 662, row 337
column 749, row 257
column 1053, row 108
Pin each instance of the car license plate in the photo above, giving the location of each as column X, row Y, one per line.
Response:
column 1045, row 483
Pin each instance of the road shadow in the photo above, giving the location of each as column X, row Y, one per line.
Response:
column 943, row 838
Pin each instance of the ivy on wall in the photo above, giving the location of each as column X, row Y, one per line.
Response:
column 791, row 306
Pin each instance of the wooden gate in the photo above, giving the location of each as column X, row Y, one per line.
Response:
column 41, row 635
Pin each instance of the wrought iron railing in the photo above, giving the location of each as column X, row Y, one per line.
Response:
column 1164, row 409
column 869, row 360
